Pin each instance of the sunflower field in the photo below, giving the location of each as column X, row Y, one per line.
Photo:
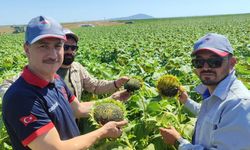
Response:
column 145, row 49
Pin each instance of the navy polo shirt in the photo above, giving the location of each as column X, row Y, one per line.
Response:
column 33, row 106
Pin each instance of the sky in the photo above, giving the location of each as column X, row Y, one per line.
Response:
column 14, row 12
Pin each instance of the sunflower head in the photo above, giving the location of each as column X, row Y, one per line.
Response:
column 133, row 84
column 168, row 86
column 107, row 110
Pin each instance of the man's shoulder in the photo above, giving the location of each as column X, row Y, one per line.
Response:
column 76, row 66
column 239, row 91
column 18, row 94
column 18, row 89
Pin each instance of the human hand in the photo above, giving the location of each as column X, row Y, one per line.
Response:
column 183, row 97
column 112, row 129
column 122, row 95
column 170, row 135
column 121, row 81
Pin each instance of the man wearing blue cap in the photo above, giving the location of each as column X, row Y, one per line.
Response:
column 76, row 77
column 39, row 110
column 223, row 121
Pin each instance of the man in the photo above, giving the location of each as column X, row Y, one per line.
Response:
column 39, row 110
column 223, row 117
column 77, row 77
column 79, row 80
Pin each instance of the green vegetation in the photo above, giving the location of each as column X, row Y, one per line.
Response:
column 148, row 49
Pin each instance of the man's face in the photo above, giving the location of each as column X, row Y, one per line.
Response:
column 211, row 74
column 45, row 56
column 70, row 48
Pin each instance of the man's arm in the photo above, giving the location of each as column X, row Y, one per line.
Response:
column 93, row 85
column 51, row 140
column 82, row 109
column 190, row 104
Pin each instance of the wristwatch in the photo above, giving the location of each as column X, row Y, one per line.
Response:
column 178, row 142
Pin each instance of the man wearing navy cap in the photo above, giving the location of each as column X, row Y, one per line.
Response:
column 223, row 118
column 39, row 110
column 76, row 76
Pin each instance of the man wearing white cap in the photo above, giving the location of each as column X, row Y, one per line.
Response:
column 39, row 110
column 79, row 80
column 223, row 121
column 77, row 77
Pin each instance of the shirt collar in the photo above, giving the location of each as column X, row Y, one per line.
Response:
column 221, row 90
column 33, row 79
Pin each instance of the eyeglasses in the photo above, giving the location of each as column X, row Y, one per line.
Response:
column 212, row 62
column 72, row 47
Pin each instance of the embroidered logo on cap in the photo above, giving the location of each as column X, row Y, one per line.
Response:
column 43, row 23
column 197, row 45
column 28, row 119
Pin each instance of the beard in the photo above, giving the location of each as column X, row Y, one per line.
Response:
column 68, row 59
column 211, row 82
column 207, row 80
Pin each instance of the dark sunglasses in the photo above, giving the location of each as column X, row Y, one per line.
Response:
column 212, row 62
column 72, row 47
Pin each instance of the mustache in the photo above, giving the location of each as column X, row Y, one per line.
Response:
column 207, row 72
column 50, row 61
column 68, row 55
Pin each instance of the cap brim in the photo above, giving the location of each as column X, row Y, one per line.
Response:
column 63, row 37
column 217, row 52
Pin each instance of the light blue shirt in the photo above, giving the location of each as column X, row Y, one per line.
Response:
column 223, row 121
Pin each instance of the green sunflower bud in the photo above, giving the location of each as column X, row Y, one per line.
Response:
column 133, row 85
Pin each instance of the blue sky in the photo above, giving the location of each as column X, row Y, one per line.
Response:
column 21, row 11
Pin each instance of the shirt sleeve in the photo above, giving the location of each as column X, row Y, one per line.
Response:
column 25, row 114
column 93, row 85
column 193, row 106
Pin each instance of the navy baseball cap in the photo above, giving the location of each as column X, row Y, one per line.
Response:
column 43, row 27
column 68, row 32
column 215, row 43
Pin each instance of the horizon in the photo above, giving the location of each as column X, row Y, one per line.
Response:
column 110, row 19
column 14, row 12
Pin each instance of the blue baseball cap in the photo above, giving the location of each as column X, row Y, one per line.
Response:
column 215, row 43
column 43, row 27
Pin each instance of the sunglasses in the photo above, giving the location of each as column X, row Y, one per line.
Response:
column 72, row 47
column 212, row 62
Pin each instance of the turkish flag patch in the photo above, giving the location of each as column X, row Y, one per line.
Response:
column 28, row 119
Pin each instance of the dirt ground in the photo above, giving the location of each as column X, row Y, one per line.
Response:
column 8, row 29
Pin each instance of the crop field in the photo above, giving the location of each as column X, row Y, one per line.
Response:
column 146, row 49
